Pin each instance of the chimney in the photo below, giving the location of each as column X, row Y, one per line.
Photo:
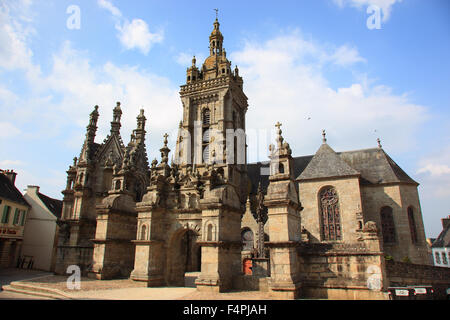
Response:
column 32, row 189
column 11, row 175
column 446, row 222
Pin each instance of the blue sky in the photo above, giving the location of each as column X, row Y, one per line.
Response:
column 299, row 60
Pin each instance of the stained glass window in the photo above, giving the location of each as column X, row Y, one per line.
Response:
column 330, row 214
column 387, row 225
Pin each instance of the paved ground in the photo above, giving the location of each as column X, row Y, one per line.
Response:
column 5, row 295
column 12, row 274
column 115, row 289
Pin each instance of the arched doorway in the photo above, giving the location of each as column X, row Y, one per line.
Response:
column 184, row 257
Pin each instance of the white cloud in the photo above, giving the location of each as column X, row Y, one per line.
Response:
column 14, row 52
column 284, row 81
column 346, row 56
column 11, row 163
column 384, row 5
column 136, row 35
column 8, row 130
column 110, row 7
column 132, row 35
column 435, row 169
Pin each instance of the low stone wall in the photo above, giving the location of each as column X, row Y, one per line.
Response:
column 341, row 272
column 408, row 274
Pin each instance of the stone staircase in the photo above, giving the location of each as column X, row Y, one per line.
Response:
column 32, row 289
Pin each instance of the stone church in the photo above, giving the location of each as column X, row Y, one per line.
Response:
column 332, row 224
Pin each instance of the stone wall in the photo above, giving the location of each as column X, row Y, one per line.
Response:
column 408, row 274
column 350, row 205
column 399, row 198
column 341, row 272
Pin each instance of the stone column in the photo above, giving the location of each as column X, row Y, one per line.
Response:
column 284, row 233
column 150, row 254
column 221, row 254
column 116, row 228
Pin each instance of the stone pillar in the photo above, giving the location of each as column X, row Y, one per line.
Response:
column 221, row 253
column 150, row 253
column 283, row 210
column 285, row 234
column 116, row 227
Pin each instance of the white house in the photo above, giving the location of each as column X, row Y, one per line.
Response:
column 441, row 246
column 40, row 234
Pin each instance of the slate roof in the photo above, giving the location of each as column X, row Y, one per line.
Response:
column 376, row 166
column 54, row 205
column 326, row 163
column 443, row 240
column 373, row 165
column 9, row 191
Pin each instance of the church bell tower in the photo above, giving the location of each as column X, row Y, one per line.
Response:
column 214, row 105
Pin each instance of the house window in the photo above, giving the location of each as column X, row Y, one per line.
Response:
column 5, row 216
column 24, row 214
column 247, row 240
column 330, row 214
column 16, row 217
column 444, row 258
column 437, row 257
column 412, row 225
column 387, row 225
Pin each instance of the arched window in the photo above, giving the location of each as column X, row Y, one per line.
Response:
column 330, row 214
column 144, row 232
column 117, row 187
column 209, row 236
column 412, row 225
column 281, row 168
column 247, row 239
column 387, row 225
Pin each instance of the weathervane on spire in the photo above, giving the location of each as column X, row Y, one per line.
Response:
column 217, row 13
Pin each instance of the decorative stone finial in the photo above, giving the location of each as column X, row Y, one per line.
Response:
column 379, row 143
column 279, row 137
column 324, row 136
column 165, row 151
column 194, row 61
